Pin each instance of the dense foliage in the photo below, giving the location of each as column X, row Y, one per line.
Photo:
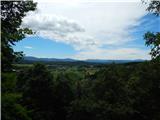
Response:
column 12, row 13
column 112, row 92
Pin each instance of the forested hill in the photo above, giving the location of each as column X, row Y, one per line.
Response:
column 30, row 59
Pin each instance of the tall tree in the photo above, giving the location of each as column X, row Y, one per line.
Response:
column 12, row 13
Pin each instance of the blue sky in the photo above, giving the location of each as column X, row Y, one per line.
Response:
column 95, row 30
column 40, row 47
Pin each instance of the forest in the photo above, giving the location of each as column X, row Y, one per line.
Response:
column 40, row 91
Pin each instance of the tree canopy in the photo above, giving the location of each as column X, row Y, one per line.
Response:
column 12, row 13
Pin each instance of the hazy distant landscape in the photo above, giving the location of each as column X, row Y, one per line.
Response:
column 95, row 60
column 100, row 61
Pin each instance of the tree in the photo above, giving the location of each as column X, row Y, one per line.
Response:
column 154, row 7
column 12, row 109
column 63, row 96
column 12, row 13
column 38, row 94
column 153, row 39
column 144, row 87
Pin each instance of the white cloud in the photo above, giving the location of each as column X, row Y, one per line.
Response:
column 51, row 24
column 59, row 29
column 88, row 25
column 28, row 47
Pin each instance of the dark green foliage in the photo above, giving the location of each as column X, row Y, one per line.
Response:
column 108, row 95
column 82, row 109
column 11, row 109
column 154, row 7
column 38, row 93
column 63, row 96
column 117, row 92
column 153, row 40
column 120, row 93
column 8, row 82
column 146, row 90
column 12, row 13
column 47, row 97
column 10, row 99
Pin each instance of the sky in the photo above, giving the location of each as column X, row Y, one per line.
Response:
column 88, row 29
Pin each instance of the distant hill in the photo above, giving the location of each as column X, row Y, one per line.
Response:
column 35, row 59
column 30, row 58
column 113, row 61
